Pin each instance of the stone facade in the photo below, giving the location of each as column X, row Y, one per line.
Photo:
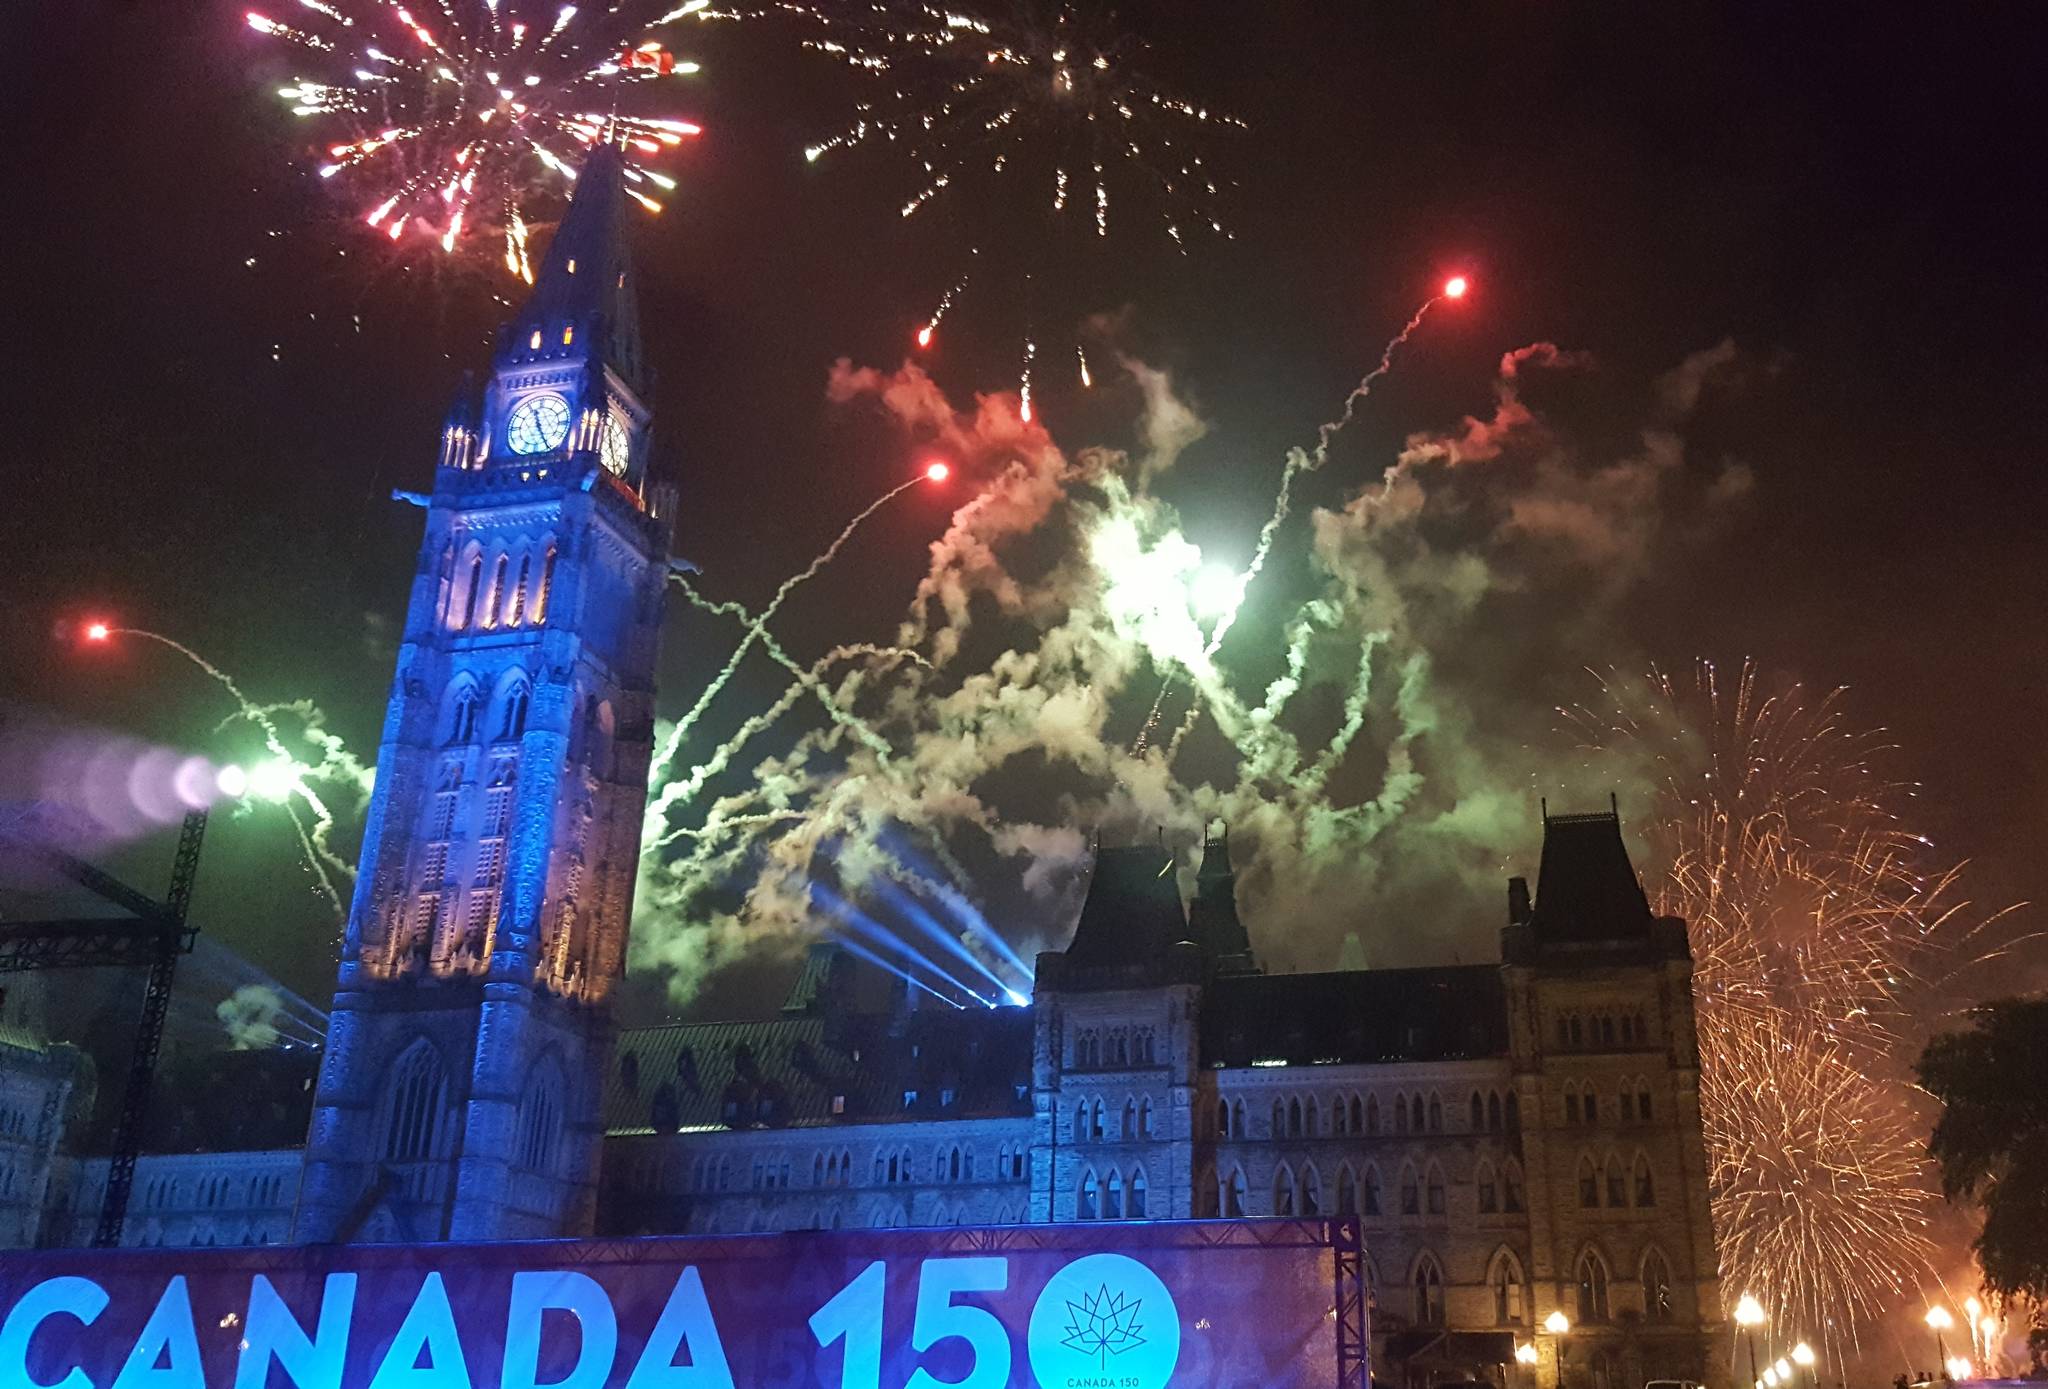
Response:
column 499, row 850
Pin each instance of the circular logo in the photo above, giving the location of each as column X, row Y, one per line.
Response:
column 1105, row 1321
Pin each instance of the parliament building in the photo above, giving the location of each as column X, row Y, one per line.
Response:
column 1520, row 1141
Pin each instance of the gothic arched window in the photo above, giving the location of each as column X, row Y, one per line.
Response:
column 1145, row 1117
column 1135, row 1207
column 1130, row 1128
column 494, row 601
column 1294, row 1118
column 1489, row 1188
column 462, row 717
column 1592, row 1287
column 1511, row 1113
column 1347, row 1191
column 1429, row 1291
column 1372, row 1190
column 1656, row 1287
column 1411, row 1192
column 1643, row 1099
column 1589, row 1185
column 1311, row 1190
column 1506, row 1280
column 1283, row 1190
column 1646, row 1186
column 1223, row 1118
column 546, row 590
column 470, row 589
column 517, row 614
column 1358, row 1117
column 517, row 700
column 1087, row 1199
column 1435, row 1190
column 1372, row 1115
column 1478, row 1112
column 1113, row 1206
column 1617, row 1183
column 1493, row 1111
column 1233, row 1194
column 416, row 1100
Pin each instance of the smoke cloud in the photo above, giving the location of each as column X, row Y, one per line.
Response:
column 1367, row 728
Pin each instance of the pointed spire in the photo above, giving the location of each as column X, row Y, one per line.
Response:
column 585, row 295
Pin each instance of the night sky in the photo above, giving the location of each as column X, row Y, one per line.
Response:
column 1848, row 196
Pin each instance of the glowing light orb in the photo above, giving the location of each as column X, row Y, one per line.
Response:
column 924, row 336
column 1016, row 999
column 1939, row 1319
column 936, row 471
column 232, row 781
column 1802, row 1354
column 1215, row 590
column 1958, row 1368
column 1455, row 287
column 1748, row 1311
column 1525, row 1353
column 274, row 780
column 1557, row 1323
column 98, row 631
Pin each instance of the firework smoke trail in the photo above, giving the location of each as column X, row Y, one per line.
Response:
column 1818, row 930
column 1297, row 462
column 336, row 763
column 467, row 136
column 757, row 631
column 808, row 680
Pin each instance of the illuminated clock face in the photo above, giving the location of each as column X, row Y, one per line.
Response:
column 616, row 449
column 538, row 424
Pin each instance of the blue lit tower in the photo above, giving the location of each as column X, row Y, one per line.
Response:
column 470, row 1034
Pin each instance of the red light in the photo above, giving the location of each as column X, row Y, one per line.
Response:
column 924, row 336
column 936, row 471
column 1455, row 287
column 98, row 631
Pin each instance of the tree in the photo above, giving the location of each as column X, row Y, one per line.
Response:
column 1992, row 1138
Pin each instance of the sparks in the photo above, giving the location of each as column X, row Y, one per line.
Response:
column 1814, row 920
column 465, row 131
column 1032, row 128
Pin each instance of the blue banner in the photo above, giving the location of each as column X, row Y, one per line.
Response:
column 1194, row 1305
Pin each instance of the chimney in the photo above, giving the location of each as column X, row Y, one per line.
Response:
column 1518, row 901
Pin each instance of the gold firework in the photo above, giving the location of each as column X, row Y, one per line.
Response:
column 1817, row 927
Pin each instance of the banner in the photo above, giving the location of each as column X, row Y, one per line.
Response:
column 1195, row 1305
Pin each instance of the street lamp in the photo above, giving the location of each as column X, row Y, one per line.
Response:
column 1802, row 1356
column 1938, row 1320
column 1525, row 1353
column 1749, row 1315
column 1557, row 1324
column 1784, row 1369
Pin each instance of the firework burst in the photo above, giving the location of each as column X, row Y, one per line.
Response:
column 1037, row 133
column 458, row 125
column 1819, row 931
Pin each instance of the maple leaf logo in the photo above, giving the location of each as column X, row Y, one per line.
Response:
column 1103, row 1324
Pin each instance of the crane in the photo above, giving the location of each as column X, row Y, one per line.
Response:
column 152, row 936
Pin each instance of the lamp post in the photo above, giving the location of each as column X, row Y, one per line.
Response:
column 1558, row 1325
column 1803, row 1357
column 1938, row 1320
column 1749, row 1315
column 1526, row 1357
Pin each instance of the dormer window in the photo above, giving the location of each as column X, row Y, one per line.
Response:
column 533, row 343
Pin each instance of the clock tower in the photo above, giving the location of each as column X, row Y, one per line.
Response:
column 471, row 1032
